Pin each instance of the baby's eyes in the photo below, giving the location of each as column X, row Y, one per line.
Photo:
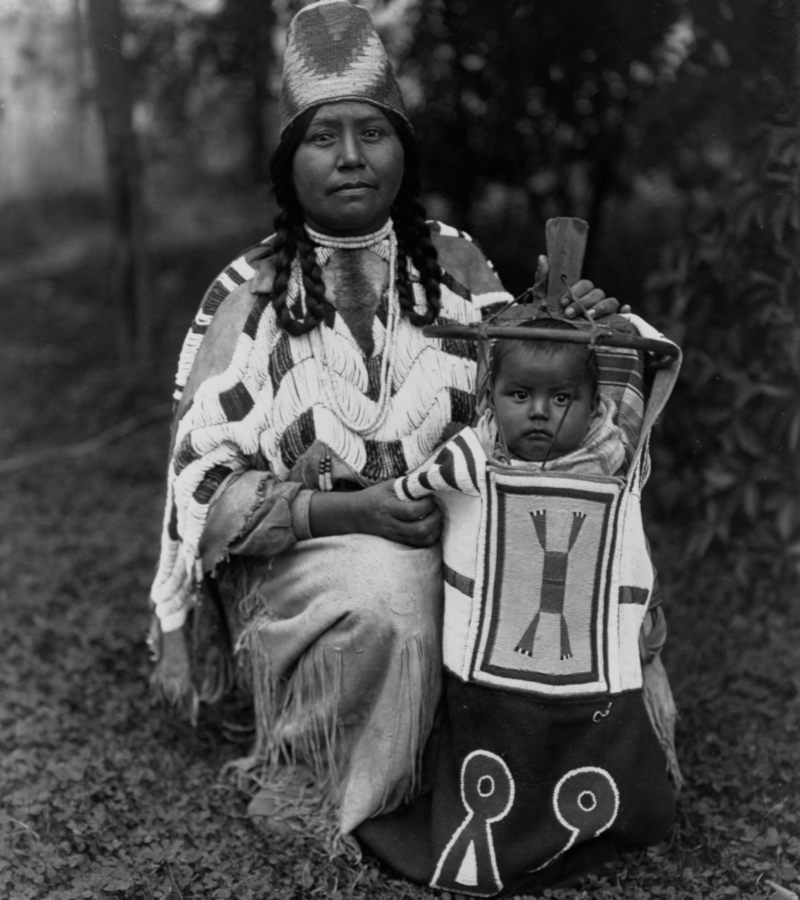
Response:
column 519, row 395
column 562, row 399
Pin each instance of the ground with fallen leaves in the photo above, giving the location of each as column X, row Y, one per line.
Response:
column 103, row 796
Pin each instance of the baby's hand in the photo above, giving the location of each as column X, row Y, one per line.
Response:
column 171, row 680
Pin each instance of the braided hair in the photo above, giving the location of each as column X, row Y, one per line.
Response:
column 291, row 241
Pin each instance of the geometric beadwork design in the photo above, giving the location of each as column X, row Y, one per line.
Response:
column 554, row 582
column 544, row 598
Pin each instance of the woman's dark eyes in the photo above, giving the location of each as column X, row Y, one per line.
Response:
column 327, row 137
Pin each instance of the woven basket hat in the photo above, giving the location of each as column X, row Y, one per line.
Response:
column 333, row 53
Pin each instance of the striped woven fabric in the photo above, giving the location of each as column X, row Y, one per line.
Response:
column 622, row 380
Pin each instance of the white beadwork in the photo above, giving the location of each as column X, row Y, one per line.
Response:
column 360, row 422
column 384, row 244
column 355, row 242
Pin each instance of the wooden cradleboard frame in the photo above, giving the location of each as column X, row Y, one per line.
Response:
column 566, row 247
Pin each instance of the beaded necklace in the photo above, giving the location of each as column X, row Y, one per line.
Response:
column 383, row 243
column 326, row 245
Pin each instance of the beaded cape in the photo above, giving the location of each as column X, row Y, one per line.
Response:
column 270, row 404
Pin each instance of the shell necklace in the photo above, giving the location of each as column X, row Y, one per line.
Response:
column 383, row 242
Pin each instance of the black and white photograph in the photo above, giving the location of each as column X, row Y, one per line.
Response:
column 399, row 449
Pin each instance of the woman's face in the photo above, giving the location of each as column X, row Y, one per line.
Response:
column 347, row 169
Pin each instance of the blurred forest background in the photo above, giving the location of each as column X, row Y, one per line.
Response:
column 134, row 139
column 138, row 132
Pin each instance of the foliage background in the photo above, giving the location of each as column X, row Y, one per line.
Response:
column 672, row 127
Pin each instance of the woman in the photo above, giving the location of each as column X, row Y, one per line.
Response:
column 309, row 387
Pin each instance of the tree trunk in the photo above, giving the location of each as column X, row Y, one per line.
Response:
column 262, row 61
column 114, row 98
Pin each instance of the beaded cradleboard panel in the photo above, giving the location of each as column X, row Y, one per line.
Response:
column 547, row 577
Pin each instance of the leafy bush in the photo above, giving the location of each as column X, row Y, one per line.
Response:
column 728, row 290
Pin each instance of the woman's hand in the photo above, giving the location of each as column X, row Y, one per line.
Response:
column 376, row 510
column 593, row 299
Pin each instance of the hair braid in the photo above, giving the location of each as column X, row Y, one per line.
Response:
column 405, row 292
column 312, row 282
column 285, row 246
column 414, row 241
column 291, row 239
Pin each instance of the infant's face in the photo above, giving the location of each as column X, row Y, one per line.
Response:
column 531, row 395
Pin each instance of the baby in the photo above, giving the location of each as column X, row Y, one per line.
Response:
column 545, row 408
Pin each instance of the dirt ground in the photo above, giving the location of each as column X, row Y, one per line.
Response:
column 104, row 796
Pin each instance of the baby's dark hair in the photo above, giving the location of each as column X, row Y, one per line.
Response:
column 291, row 239
column 505, row 346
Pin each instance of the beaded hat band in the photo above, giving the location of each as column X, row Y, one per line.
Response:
column 333, row 54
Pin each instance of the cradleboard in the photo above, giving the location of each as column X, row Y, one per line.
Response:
column 544, row 756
